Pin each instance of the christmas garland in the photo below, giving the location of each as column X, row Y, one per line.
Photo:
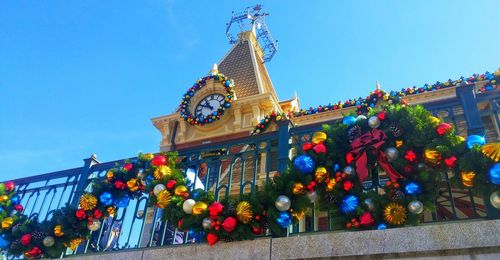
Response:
column 202, row 120
column 411, row 147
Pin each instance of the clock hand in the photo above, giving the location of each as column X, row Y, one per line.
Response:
column 208, row 105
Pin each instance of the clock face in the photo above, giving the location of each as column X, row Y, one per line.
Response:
column 209, row 105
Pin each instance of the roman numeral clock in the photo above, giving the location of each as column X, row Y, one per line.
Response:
column 209, row 106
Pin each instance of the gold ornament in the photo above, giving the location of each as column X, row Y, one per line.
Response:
column 199, row 207
column 111, row 210
column 74, row 243
column 399, row 143
column 298, row 188
column 88, row 202
column 58, row 231
column 244, row 212
column 4, row 198
column 435, row 121
column 467, row 178
column 395, row 214
column 330, row 185
column 149, row 156
column 163, row 199
column 461, row 139
column 180, row 190
column 133, row 184
column 162, row 171
column 432, row 157
column 318, row 137
column 492, row 151
column 321, row 174
column 298, row 214
column 7, row 222
column 110, row 175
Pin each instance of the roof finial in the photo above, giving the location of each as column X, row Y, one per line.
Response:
column 377, row 86
column 214, row 69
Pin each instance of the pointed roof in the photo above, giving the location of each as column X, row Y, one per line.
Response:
column 244, row 64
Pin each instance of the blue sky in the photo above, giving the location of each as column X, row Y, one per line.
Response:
column 84, row 77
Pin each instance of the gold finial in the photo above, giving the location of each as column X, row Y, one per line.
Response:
column 214, row 69
column 377, row 86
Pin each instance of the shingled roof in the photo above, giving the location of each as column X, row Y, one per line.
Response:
column 244, row 65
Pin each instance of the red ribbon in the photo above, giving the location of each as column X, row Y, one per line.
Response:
column 372, row 140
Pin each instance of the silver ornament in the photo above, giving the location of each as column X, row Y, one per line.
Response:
column 312, row 196
column 48, row 241
column 207, row 223
column 495, row 199
column 282, row 203
column 421, row 166
column 392, row 153
column 187, row 206
column 95, row 225
column 415, row 207
column 373, row 122
column 349, row 170
column 158, row 188
column 369, row 204
column 361, row 117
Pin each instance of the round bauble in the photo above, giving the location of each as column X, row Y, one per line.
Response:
column 415, row 207
column 494, row 174
column 199, row 207
column 312, row 196
column 374, row 122
column 370, row 205
column 48, row 241
column 473, row 140
column 207, row 223
column 348, row 120
column 495, row 199
column 392, row 153
column 360, row 117
column 158, row 188
column 349, row 170
column 282, row 203
column 187, row 206
column 94, row 225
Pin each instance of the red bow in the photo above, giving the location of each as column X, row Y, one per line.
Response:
column 374, row 140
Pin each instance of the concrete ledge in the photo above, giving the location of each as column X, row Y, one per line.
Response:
column 478, row 239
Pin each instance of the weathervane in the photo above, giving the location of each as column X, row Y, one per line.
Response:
column 253, row 19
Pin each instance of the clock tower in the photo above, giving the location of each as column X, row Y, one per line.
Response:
column 232, row 98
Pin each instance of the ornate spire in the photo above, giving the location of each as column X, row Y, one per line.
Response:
column 377, row 86
column 214, row 69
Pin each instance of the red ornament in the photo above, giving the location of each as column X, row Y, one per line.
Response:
column 128, row 166
column 35, row 252
column 451, row 162
column 18, row 207
column 119, row 185
column 443, row 128
column 97, row 214
column 311, row 186
column 366, row 219
column 212, row 239
column 349, row 158
column 9, row 186
column 179, row 224
column 307, row 146
column 229, row 224
column 171, row 184
column 257, row 230
column 215, row 209
column 26, row 239
column 80, row 214
column 319, row 148
column 158, row 160
column 347, row 185
column 381, row 115
column 410, row 156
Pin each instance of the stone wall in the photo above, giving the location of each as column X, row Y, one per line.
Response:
column 478, row 239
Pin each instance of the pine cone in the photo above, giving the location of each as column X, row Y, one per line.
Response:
column 397, row 195
column 16, row 245
column 38, row 236
column 353, row 132
column 396, row 130
column 331, row 198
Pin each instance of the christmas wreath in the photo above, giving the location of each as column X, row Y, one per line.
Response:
column 201, row 119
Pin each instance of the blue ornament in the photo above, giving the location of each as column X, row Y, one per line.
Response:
column 475, row 140
column 228, row 105
column 284, row 219
column 304, row 163
column 4, row 244
column 196, row 194
column 1, row 210
column 381, row 226
column 349, row 120
column 494, row 174
column 15, row 199
column 336, row 167
column 412, row 188
column 349, row 204
column 123, row 202
column 149, row 179
column 228, row 83
column 106, row 198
